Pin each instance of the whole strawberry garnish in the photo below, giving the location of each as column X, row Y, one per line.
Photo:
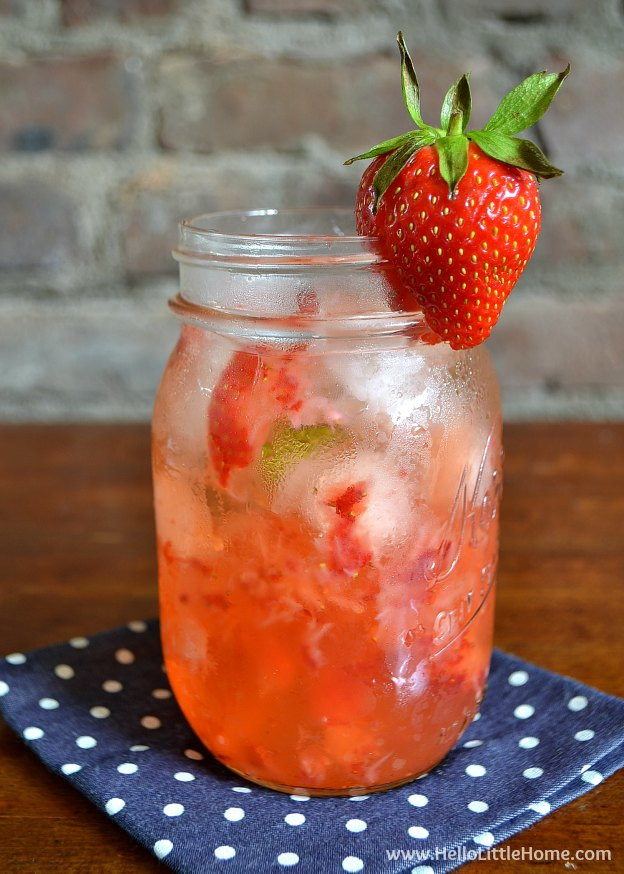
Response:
column 456, row 212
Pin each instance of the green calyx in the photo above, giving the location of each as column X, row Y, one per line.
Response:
column 522, row 107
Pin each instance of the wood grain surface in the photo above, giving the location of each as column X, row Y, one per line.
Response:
column 77, row 545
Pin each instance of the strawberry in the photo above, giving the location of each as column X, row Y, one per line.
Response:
column 249, row 396
column 263, row 415
column 456, row 212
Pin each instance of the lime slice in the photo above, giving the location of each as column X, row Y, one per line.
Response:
column 290, row 445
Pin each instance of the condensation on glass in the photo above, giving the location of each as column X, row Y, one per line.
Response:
column 327, row 484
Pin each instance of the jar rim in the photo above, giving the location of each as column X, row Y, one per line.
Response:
column 258, row 283
column 269, row 237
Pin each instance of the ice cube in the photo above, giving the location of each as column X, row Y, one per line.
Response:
column 382, row 515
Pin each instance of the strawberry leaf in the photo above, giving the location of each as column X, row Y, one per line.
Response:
column 526, row 103
column 409, row 83
column 387, row 146
column 515, row 151
column 391, row 168
column 458, row 100
column 453, row 158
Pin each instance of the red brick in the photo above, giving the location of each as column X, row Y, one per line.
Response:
column 585, row 121
column 303, row 7
column 38, row 226
column 516, row 12
column 72, row 103
column 564, row 344
column 581, row 223
column 262, row 103
column 78, row 12
column 153, row 203
column 317, row 188
column 83, row 359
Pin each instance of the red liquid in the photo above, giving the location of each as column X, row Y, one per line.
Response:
column 306, row 652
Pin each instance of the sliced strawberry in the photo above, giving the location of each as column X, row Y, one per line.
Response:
column 229, row 436
column 348, row 552
column 349, row 504
column 255, row 391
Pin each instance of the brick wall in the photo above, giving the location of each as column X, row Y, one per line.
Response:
column 117, row 117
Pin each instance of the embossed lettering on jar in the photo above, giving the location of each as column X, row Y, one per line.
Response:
column 327, row 487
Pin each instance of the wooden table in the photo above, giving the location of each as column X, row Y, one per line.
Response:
column 77, row 548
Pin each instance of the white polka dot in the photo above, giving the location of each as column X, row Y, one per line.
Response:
column 532, row 773
column 423, row 869
column 478, row 806
column 4, row 688
column 300, row 797
column 418, row 800
column 139, row 748
column 485, row 840
column 579, row 702
column 288, row 859
column 193, row 754
column 475, row 770
column 542, row 807
column 585, row 768
column 100, row 712
column 471, row 744
column 358, row 797
column 71, row 768
column 184, row 777
column 127, row 768
column 137, row 625
column 162, row 848
column 528, row 743
column 64, row 672
column 294, row 819
column 161, row 693
column 151, row 722
column 234, row 814
column 112, row 686
column 79, row 642
column 524, row 711
column 243, row 789
column 476, row 717
column 33, row 733
column 124, row 656
column 417, row 831
column 585, row 734
column 356, row 825
column 114, row 805
column 86, row 742
column 593, row 777
column 15, row 658
column 225, row 852
column 518, row 678
column 48, row 703
column 352, row 864
column 173, row 809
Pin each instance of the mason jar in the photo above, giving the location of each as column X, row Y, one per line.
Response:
column 327, row 481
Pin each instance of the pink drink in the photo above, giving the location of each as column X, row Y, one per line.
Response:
column 328, row 534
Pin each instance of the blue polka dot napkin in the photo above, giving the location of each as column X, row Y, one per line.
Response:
column 99, row 712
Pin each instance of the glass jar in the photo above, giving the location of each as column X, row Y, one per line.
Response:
column 327, row 483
